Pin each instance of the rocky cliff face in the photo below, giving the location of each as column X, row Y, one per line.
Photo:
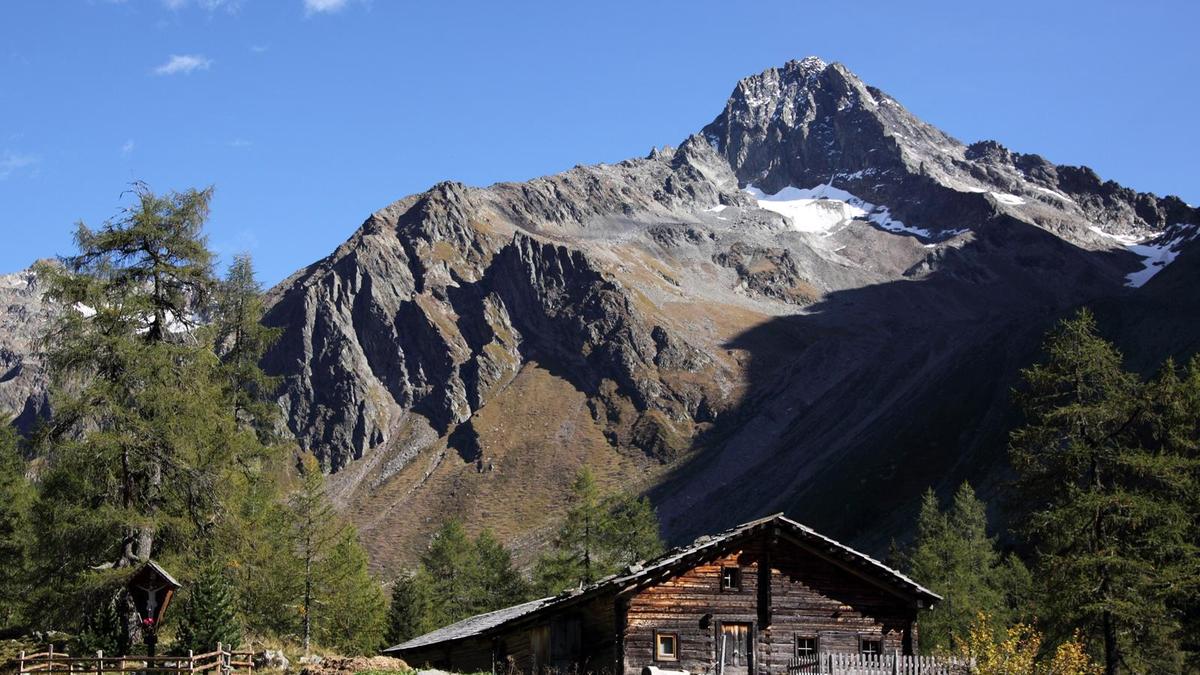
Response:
column 816, row 304
column 23, row 380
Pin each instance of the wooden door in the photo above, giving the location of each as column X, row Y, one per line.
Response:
column 735, row 649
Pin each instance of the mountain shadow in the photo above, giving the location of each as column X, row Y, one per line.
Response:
column 857, row 406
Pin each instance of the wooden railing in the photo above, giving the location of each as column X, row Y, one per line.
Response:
column 879, row 664
column 221, row 661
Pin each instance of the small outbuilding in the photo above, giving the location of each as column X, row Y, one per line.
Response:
column 754, row 599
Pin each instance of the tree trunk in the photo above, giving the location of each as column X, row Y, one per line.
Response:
column 308, row 587
column 1112, row 654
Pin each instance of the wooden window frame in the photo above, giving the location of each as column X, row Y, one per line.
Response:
column 658, row 656
column 737, row 572
column 816, row 640
column 863, row 639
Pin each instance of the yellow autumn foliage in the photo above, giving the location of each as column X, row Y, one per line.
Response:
column 1015, row 651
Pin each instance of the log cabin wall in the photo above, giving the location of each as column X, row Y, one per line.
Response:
column 809, row 597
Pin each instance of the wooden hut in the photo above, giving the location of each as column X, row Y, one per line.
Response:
column 753, row 599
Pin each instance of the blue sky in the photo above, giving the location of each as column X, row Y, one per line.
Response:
column 307, row 115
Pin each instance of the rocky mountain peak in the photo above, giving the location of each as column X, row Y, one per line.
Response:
column 863, row 306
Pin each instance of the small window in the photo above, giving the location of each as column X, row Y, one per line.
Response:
column 806, row 646
column 666, row 646
column 731, row 578
column 870, row 646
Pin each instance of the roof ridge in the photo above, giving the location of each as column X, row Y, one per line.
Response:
column 481, row 623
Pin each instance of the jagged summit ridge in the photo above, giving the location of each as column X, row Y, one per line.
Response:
column 810, row 123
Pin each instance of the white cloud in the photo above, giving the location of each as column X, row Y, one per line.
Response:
column 11, row 162
column 259, row 49
column 183, row 63
column 323, row 6
column 127, row 147
column 240, row 143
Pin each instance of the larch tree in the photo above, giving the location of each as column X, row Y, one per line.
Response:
column 15, row 497
column 240, row 341
column 137, row 431
column 953, row 555
column 599, row 535
column 1108, row 468
column 340, row 605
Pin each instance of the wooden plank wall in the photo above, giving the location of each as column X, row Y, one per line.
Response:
column 809, row 596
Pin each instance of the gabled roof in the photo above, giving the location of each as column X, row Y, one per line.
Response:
column 634, row 575
column 151, row 569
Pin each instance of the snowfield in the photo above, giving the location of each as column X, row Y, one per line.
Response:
column 822, row 208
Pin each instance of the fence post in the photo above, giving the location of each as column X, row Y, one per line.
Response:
column 99, row 662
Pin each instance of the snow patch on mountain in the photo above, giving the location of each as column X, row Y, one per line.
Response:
column 822, row 208
column 818, row 209
column 1155, row 250
column 1156, row 255
column 1006, row 198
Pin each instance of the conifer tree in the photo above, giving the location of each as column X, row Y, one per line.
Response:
column 340, row 604
column 350, row 606
column 1105, row 463
column 600, row 535
column 497, row 581
column 409, row 611
column 630, row 533
column 953, row 555
column 457, row 577
column 240, row 341
column 313, row 535
column 450, row 563
column 209, row 613
column 15, row 496
column 137, row 437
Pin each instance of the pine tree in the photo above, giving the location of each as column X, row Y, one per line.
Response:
column 600, row 535
column 409, row 612
column 581, row 531
column 15, row 496
column 458, row 577
column 269, row 573
column 598, row 539
column 209, row 614
column 1111, row 495
column 313, row 535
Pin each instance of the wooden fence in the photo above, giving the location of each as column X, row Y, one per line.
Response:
column 222, row 661
column 879, row 664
